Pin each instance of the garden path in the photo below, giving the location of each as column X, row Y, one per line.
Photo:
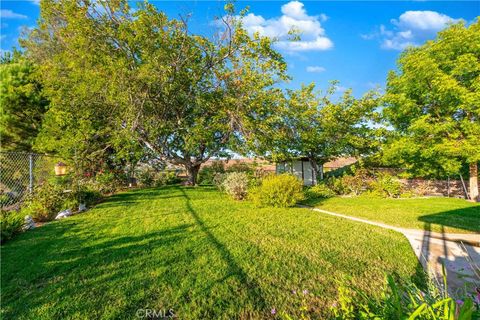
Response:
column 458, row 253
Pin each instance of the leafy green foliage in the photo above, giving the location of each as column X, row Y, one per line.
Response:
column 166, row 178
column 11, row 223
column 283, row 190
column 432, row 104
column 403, row 300
column 312, row 125
column 207, row 173
column 117, row 78
column 236, row 184
column 45, row 202
column 319, row 191
column 23, row 103
column 386, row 185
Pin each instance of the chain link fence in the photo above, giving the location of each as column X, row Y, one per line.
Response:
column 20, row 173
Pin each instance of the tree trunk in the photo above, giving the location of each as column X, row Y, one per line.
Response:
column 192, row 174
column 474, row 182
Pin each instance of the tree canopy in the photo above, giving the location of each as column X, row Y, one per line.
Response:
column 22, row 101
column 321, row 128
column 433, row 105
column 143, row 77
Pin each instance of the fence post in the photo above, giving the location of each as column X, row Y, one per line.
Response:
column 30, row 157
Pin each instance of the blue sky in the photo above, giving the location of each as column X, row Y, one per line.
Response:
column 356, row 43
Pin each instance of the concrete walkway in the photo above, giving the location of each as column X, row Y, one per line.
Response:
column 459, row 253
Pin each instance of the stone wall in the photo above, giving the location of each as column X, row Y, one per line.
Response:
column 452, row 188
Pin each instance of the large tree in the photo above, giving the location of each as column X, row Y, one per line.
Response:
column 22, row 103
column 184, row 96
column 433, row 104
column 321, row 127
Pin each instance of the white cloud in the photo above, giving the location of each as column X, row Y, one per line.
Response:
column 412, row 28
column 315, row 69
column 9, row 14
column 36, row 2
column 294, row 17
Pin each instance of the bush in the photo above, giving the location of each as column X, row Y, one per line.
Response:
column 146, row 177
column 45, row 202
column 207, row 174
column 386, row 185
column 84, row 192
column 11, row 223
column 337, row 185
column 218, row 179
column 236, row 185
column 319, row 191
column 166, row 178
column 106, row 182
column 283, row 190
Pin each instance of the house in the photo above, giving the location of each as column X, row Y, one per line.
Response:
column 302, row 168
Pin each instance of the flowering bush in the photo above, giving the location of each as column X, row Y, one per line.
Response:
column 283, row 190
column 236, row 185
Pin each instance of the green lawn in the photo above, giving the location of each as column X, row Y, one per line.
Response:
column 436, row 214
column 196, row 252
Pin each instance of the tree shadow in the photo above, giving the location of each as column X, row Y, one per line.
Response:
column 464, row 218
column 233, row 270
column 71, row 267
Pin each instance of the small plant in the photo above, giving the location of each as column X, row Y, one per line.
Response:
column 319, row 191
column 283, row 190
column 403, row 300
column 386, row 185
column 236, row 185
column 11, row 223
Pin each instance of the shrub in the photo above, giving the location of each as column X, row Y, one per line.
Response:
column 337, row 185
column 386, row 185
column 146, row 177
column 207, row 173
column 236, row 185
column 283, row 190
column 218, row 179
column 106, row 182
column 45, row 202
column 166, row 178
column 11, row 223
column 85, row 192
column 319, row 191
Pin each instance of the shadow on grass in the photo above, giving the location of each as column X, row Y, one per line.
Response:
column 78, row 266
column 234, row 270
column 464, row 218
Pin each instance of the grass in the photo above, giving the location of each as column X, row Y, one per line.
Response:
column 435, row 214
column 196, row 252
